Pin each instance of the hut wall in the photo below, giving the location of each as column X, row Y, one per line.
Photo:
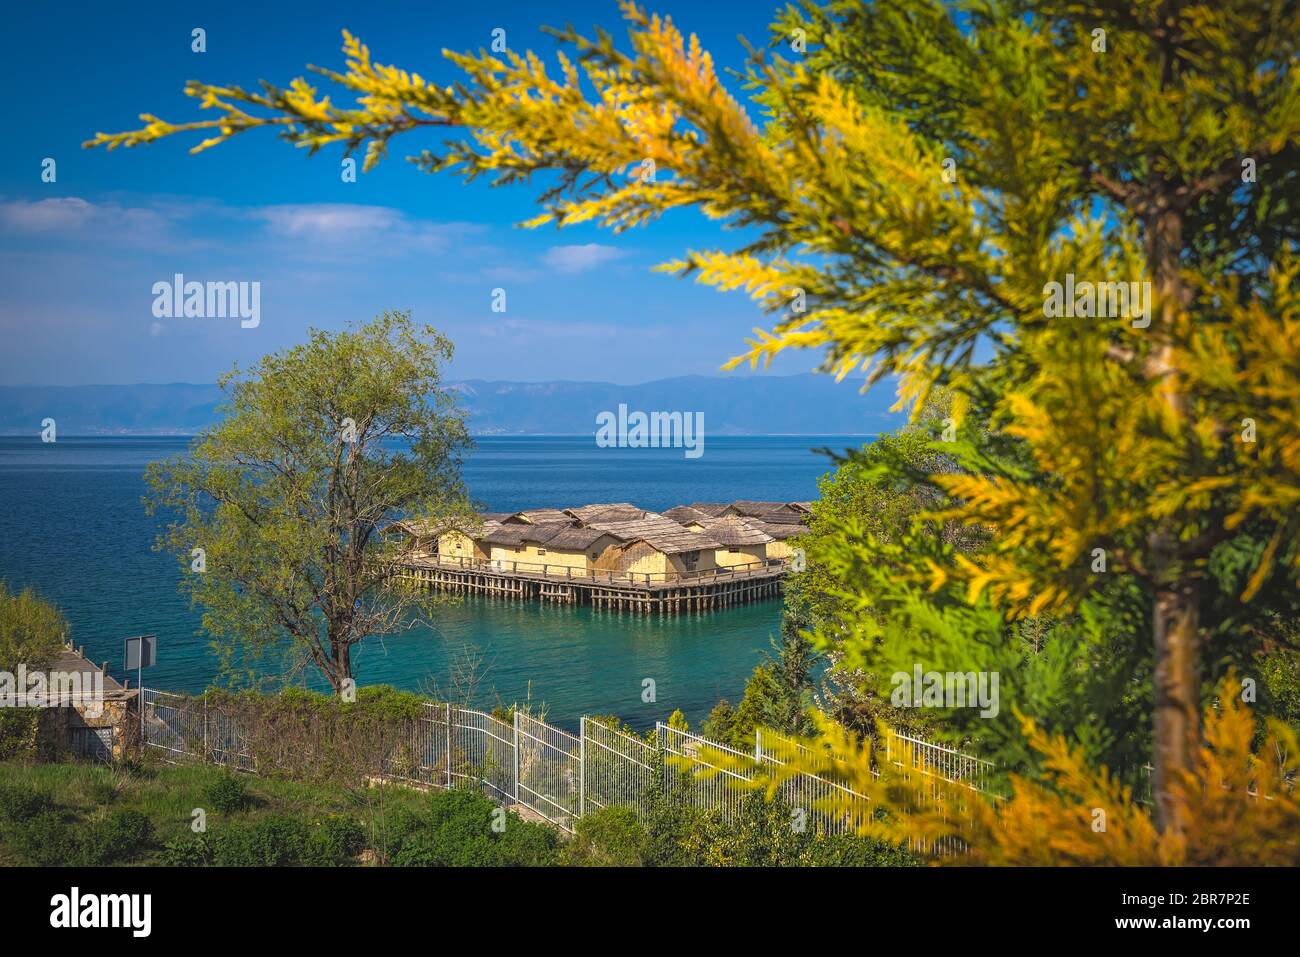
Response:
column 556, row 560
column 456, row 544
column 504, row 555
column 741, row 555
column 779, row 549
column 637, row 558
column 703, row 563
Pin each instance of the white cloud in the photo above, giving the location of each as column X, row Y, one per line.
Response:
column 571, row 260
column 47, row 215
column 74, row 216
column 327, row 220
column 365, row 229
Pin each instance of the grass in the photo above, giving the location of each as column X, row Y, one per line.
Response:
column 86, row 794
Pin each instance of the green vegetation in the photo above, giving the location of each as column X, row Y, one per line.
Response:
column 32, row 632
column 676, row 835
column 79, row 814
column 280, row 505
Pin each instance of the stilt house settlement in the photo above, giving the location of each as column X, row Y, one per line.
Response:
column 691, row 557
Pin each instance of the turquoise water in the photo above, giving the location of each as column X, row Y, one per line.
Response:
column 72, row 527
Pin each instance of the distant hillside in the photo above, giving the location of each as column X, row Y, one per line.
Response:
column 742, row 405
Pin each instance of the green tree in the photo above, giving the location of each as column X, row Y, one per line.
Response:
column 276, row 511
column 31, row 630
column 921, row 177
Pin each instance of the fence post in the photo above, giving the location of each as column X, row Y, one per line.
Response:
column 207, row 748
column 758, row 745
column 516, row 755
column 582, row 765
column 448, row 745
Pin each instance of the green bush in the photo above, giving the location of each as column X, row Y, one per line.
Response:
column 280, row 841
column 45, row 840
column 334, row 841
column 18, row 804
column 457, row 831
column 193, row 851
column 20, row 735
column 611, row 837
column 271, row 842
column 228, row 794
column 761, row 834
column 123, row 836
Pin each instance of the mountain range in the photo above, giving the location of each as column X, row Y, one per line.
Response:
column 805, row 404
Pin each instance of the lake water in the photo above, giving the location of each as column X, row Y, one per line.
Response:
column 72, row 527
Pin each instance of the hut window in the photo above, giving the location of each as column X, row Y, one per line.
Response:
column 541, row 551
column 593, row 556
column 734, row 551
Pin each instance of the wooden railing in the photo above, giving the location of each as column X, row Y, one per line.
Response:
column 761, row 569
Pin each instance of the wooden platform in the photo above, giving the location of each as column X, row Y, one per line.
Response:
column 708, row 592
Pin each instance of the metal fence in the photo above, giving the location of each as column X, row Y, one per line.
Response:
column 553, row 773
column 618, row 770
column 814, row 795
column 706, row 786
column 548, row 770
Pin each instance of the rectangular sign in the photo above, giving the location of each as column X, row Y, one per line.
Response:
column 141, row 652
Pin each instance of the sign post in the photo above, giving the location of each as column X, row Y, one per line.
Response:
column 140, row 652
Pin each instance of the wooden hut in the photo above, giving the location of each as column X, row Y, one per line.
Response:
column 741, row 544
column 658, row 548
column 416, row 537
column 573, row 550
column 783, row 535
column 548, row 548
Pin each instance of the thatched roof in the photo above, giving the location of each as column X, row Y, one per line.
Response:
column 536, row 516
column 712, row 509
column 660, row 533
column 747, row 507
column 510, row 536
column 732, row 531
column 575, row 539
column 610, row 512
column 777, row 530
column 474, row 526
column 780, row 518
column 685, row 514
column 551, row 535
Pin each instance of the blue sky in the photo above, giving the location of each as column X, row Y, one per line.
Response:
column 81, row 255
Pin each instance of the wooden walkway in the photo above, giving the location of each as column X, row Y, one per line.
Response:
column 620, row 591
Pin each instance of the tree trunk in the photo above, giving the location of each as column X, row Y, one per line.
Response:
column 1176, row 612
column 1177, row 685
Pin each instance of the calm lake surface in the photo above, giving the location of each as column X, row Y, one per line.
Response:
column 72, row 527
